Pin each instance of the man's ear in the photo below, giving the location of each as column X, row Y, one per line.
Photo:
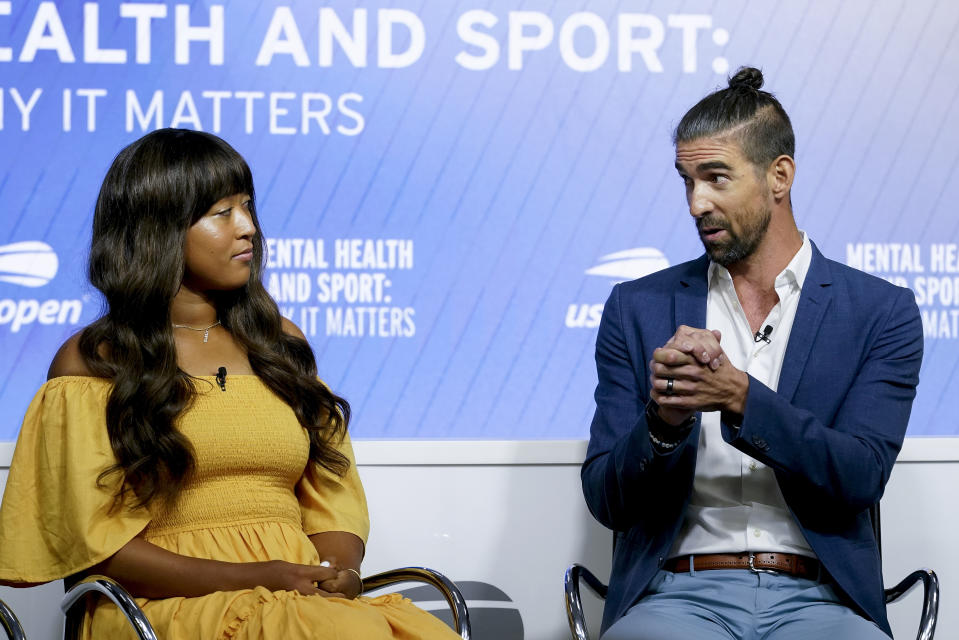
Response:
column 780, row 176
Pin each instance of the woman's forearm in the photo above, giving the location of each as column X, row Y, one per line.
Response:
column 149, row 571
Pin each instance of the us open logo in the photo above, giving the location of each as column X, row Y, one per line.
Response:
column 630, row 264
column 31, row 264
column 616, row 267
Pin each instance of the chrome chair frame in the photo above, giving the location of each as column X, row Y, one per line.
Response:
column 10, row 622
column 574, row 603
column 73, row 609
column 927, row 622
column 461, row 615
column 75, row 596
column 930, row 600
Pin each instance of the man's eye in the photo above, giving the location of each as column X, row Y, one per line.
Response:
column 720, row 178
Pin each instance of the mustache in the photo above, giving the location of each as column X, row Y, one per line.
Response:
column 710, row 221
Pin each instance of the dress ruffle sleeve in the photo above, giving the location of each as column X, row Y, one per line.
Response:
column 329, row 502
column 56, row 518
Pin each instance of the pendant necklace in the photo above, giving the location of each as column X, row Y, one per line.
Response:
column 205, row 330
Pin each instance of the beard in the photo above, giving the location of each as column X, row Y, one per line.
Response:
column 736, row 246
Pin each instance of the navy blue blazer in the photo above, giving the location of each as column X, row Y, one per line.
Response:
column 831, row 432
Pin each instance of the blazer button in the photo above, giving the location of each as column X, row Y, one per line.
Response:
column 642, row 464
column 760, row 443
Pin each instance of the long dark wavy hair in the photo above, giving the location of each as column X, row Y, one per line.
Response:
column 154, row 191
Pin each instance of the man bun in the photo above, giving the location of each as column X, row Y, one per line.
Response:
column 747, row 77
column 755, row 116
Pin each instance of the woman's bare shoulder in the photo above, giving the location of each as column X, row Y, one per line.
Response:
column 69, row 361
column 290, row 329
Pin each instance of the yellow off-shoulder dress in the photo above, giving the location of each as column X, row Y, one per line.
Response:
column 254, row 496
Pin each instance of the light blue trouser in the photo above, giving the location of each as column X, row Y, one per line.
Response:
column 737, row 604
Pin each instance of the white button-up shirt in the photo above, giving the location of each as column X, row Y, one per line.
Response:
column 736, row 504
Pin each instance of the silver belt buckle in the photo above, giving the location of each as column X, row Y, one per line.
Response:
column 752, row 566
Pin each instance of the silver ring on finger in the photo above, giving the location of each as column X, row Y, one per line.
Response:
column 669, row 386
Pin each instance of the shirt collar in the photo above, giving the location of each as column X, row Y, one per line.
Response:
column 794, row 273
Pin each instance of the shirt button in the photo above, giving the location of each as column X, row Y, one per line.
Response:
column 753, row 466
column 757, row 533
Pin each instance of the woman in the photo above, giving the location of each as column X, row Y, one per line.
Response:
column 182, row 443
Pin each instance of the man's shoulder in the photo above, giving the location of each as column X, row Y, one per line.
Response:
column 861, row 298
column 865, row 284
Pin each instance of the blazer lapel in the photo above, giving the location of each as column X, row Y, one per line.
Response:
column 813, row 302
column 689, row 301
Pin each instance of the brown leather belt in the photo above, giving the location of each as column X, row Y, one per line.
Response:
column 794, row 565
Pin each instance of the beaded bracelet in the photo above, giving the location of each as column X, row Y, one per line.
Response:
column 655, row 423
column 667, row 446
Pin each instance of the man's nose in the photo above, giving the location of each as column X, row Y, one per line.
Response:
column 699, row 203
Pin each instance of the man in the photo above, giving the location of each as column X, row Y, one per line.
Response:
column 749, row 410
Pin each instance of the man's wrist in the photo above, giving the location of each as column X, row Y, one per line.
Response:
column 737, row 402
column 662, row 434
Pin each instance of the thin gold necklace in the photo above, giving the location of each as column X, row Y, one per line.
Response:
column 205, row 330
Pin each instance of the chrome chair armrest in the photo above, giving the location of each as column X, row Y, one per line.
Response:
column 10, row 623
column 72, row 608
column 461, row 616
column 930, row 599
column 574, row 603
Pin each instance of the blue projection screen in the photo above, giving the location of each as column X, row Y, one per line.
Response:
column 450, row 189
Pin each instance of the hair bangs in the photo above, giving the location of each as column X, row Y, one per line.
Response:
column 217, row 172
